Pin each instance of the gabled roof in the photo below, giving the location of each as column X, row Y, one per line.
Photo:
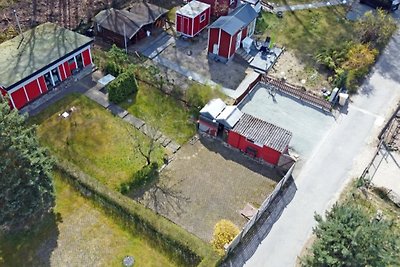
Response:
column 193, row 9
column 229, row 116
column 25, row 55
column 213, row 108
column 132, row 18
column 236, row 20
column 262, row 132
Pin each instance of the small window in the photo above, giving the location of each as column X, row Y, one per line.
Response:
column 203, row 18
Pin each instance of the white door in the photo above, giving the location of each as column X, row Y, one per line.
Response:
column 238, row 40
column 215, row 49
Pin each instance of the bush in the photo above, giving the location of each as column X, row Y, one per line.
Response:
column 185, row 248
column 198, row 95
column 122, row 87
column 116, row 61
column 145, row 176
column 224, row 232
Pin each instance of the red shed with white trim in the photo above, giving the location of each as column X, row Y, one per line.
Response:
column 192, row 18
column 226, row 33
column 33, row 63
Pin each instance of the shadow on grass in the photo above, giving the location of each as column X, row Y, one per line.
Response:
column 217, row 146
column 32, row 247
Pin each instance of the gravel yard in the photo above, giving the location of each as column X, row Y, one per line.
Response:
column 208, row 182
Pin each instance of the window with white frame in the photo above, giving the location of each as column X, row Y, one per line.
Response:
column 202, row 17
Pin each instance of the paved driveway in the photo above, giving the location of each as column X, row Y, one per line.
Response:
column 330, row 166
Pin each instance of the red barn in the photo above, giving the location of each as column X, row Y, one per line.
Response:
column 35, row 62
column 259, row 138
column 221, row 7
column 251, row 135
column 192, row 18
column 226, row 33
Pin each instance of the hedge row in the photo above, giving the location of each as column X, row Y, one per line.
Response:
column 182, row 246
column 122, row 87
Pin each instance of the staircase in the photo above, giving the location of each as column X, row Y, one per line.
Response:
column 243, row 54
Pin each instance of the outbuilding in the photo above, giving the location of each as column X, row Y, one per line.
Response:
column 226, row 33
column 192, row 18
column 36, row 61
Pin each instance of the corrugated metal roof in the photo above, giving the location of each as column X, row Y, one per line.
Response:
column 193, row 9
column 263, row 132
column 213, row 108
column 134, row 18
column 229, row 116
column 239, row 18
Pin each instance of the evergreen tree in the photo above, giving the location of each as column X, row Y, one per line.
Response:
column 349, row 237
column 26, row 188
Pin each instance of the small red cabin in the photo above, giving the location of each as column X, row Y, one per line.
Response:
column 226, row 33
column 192, row 18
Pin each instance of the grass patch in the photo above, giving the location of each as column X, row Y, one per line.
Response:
column 161, row 111
column 93, row 139
column 81, row 234
column 306, row 32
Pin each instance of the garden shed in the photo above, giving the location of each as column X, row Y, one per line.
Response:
column 226, row 33
column 129, row 25
column 192, row 18
column 34, row 62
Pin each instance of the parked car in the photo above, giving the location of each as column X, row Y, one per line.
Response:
column 389, row 5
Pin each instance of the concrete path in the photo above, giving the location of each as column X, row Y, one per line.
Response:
column 330, row 167
column 310, row 5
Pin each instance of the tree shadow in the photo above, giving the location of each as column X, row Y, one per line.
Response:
column 32, row 247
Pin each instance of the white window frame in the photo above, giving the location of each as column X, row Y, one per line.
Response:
column 203, row 17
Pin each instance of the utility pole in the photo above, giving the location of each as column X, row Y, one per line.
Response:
column 126, row 47
column 19, row 25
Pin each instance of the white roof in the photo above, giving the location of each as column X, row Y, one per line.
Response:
column 193, row 9
column 213, row 108
column 229, row 116
column 106, row 79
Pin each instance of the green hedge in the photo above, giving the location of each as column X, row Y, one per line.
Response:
column 183, row 247
column 123, row 86
column 142, row 177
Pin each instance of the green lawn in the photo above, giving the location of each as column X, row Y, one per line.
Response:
column 81, row 234
column 292, row 2
column 161, row 111
column 93, row 139
column 307, row 31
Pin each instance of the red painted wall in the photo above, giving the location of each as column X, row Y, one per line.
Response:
column 224, row 44
column 199, row 26
column 268, row 154
column 244, row 32
column 213, row 39
column 61, row 72
column 67, row 69
column 178, row 23
column 86, row 58
column 32, row 89
column 42, row 83
column 233, row 44
column 19, row 98
column 72, row 66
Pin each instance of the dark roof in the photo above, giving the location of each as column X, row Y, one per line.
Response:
column 236, row 20
column 134, row 18
column 262, row 132
column 39, row 47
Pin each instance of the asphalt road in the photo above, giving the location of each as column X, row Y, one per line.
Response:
column 328, row 169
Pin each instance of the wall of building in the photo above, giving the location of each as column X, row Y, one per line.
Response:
column 213, row 38
column 224, row 44
column 36, row 86
column 208, row 127
column 199, row 26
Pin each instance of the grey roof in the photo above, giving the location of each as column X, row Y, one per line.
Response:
column 41, row 46
column 193, row 9
column 213, row 108
column 263, row 132
column 236, row 20
column 134, row 18
column 229, row 116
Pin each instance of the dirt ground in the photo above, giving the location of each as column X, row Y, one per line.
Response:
column 192, row 55
column 294, row 71
column 68, row 13
column 208, row 182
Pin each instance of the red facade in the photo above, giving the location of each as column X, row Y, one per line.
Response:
column 191, row 26
column 220, row 7
column 27, row 92
column 267, row 154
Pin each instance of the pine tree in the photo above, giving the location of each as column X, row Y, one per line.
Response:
column 26, row 188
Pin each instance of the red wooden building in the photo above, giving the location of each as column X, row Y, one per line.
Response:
column 33, row 63
column 226, row 33
column 221, row 7
column 192, row 18
column 255, row 137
